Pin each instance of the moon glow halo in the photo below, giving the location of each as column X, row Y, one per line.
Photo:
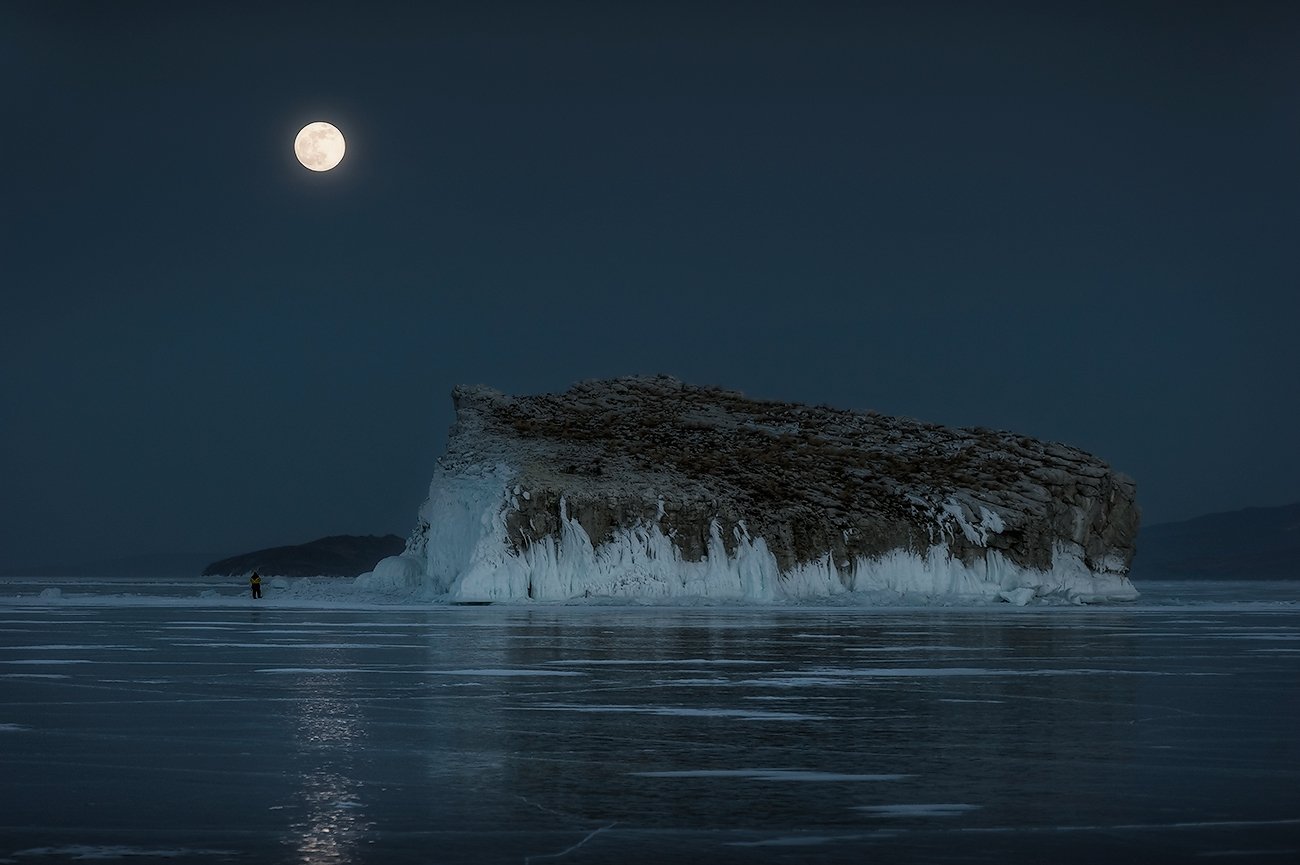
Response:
column 319, row 146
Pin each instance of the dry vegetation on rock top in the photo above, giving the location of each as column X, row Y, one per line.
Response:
column 810, row 481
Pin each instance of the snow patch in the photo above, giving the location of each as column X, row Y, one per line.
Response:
column 1019, row 597
column 975, row 530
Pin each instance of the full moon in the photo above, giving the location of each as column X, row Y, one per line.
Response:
column 319, row 146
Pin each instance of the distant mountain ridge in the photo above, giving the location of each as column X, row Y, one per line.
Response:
column 334, row 556
column 1249, row 544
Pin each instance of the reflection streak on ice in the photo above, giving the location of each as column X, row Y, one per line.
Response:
column 330, row 735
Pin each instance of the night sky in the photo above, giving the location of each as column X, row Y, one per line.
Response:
column 1076, row 221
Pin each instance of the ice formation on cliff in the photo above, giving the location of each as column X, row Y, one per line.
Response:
column 501, row 522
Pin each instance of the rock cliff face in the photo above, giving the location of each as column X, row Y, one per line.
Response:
column 651, row 488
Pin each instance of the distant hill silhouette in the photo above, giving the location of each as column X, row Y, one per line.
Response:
column 1251, row 544
column 336, row 556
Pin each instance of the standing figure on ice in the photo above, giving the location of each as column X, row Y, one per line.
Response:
column 255, row 583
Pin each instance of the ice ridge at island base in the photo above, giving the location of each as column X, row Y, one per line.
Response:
column 468, row 557
column 651, row 490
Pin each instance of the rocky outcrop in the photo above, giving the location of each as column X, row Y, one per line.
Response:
column 648, row 487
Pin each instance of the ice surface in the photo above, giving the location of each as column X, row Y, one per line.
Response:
column 314, row 671
column 500, row 673
column 679, row 711
column 770, row 775
column 663, row 662
column 918, row 810
column 112, row 852
column 335, row 729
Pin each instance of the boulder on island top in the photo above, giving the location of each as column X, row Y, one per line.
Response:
column 652, row 489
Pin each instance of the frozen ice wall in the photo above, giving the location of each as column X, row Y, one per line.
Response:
column 469, row 556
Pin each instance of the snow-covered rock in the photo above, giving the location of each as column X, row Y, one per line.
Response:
column 651, row 489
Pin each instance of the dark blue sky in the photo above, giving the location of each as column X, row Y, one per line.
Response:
column 1077, row 221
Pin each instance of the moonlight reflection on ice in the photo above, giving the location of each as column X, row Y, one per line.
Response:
column 492, row 735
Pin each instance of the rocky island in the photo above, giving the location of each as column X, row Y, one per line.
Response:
column 651, row 489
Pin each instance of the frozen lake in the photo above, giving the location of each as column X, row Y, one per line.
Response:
column 219, row 730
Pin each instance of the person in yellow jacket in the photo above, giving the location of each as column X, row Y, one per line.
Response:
column 255, row 582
